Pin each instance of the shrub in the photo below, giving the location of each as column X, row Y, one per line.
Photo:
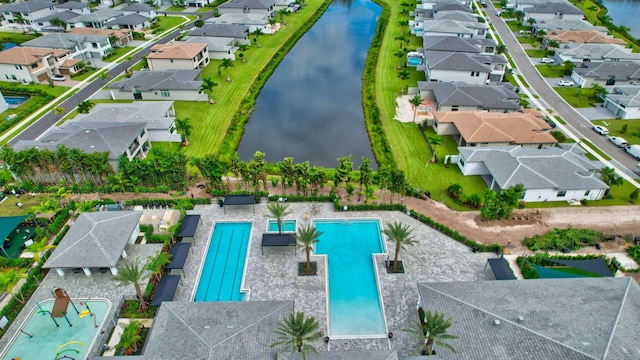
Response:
column 559, row 239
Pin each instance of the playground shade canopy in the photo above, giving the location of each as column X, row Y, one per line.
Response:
column 179, row 254
column 278, row 240
column 166, row 289
column 501, row 269
column 189, row 226
column 239, row 200
column 596, row 266
column 9, row 223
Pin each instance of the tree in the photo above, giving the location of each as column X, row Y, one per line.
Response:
column 432, row 330
column 84, row 107
column 599, row 92
column 155, row 264
column 553, row 44
column 609, row 177
column 435, row 140
column 501, row 49
column 184, row 128
column 279, row 210
column 531, row 21
column 20, row 20
column 402, row 38
column 242, row 48
column 400, row 235
column 296, row 332
column 307, row 236
column 500, row 205
column 415, row 102
column 568, row 67
column 130, row 337
column 131, row 274
column 404, row 23
column 256, row 36
column 366, row 175
column 226, row 64
column 345, row 166
column 59, row 23
column 207, row 87
column 198, row 23
column 400, row 55
column 403, row 75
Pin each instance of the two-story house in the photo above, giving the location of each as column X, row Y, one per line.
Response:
column 95, row 19
column 474, row 69
column 260, row 7
column 22, row 15
column 26, row 64
column 82, row 47
column 240, row 33
column 447, row 96
column 550, row 11
column 140, row 9
column 178, row 56
column 122, row 36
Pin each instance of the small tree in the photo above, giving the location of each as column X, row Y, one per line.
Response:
column 184, row 127
column 256, row 37
column 500, row 205
column 226, row 64
column 155, row 264
column 279, row 210
column 207, row 87
column 296, row 332
column 242, row 48
column 415, row 102
column 432, row 330
column 130, row 337
column 307, row 236
column 84, row 107
column 399, row 234
column 435, row 140
column 131, row 274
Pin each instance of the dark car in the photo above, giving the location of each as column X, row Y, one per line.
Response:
column 550, row 122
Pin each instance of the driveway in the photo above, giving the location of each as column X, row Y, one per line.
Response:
column 595, row 113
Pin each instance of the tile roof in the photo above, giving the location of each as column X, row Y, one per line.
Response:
column 176, row 50
column 96, row 239
column 501, row 96
column 585, row 318
column 582, row 36
column 119, row 33
column 19, row 55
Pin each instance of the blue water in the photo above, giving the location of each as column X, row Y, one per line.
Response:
column 414, row 61
column 221, row 275
column 287, row 226
column 8, row 45
column 16, row 100
column 355, row 308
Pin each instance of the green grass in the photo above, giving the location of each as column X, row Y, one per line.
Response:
column 175, row 8
column 33, row 100
column 166, row 146
column 523, row 81
column 15, row 38
column 166, row 22
column 55, row 91
column 9, row 208
column 560, row 120
column 615, row 129
column 595, row 148
column 576, row 96
column 86, row 74
column 538, row 53
column 550, row 71
column 117, row 53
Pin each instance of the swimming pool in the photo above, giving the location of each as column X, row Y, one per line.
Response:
column 288, row 226
column 414, row 58
column 49, row 339
column 355, row 307
column 222, row 274
column 17, row 99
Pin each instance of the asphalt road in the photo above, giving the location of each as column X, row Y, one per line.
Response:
column 577, row 124
column 50, row 118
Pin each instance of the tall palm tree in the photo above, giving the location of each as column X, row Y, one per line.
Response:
column 296, row 332
column 433, row 330
column 155, row 264
column 59, row 23
column 399, row 234
column 403, row 75
column 20, row 20
column 400, row 55
column 256, row 36
column 242, row 48
column 226, row 64
column 401, row 39
column 131, row 274
column 415, row 102
column 307, row 236
column 279, row 210
column 183, row 127
column 207, row 87
column 435, row 140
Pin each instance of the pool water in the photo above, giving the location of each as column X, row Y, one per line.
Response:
column 414, row 61
column 223, row 270
column 16, row 100
column 49, row 339
column 355, row 308
column 288, row 226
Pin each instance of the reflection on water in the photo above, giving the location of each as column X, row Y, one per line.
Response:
column 311, row 107
column 626, row 13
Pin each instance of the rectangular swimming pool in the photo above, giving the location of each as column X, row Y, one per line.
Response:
column 223, row 270
column 355, row 307
column 288, row 226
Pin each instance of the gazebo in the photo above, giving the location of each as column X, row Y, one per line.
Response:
column 96, row 240
column 239, row 200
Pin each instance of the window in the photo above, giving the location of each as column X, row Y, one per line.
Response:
column 586, row 193
column 461, row 161
column 13, row 77
column 6, row 13
column 18, row 67
column 6, row 76
column 561, row 194
column 454, row 107
column 171, row 61
column 142, row 133
column 34, row 66
column 165, row 93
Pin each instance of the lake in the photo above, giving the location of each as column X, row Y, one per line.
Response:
column 625, row 12
column 311, row 106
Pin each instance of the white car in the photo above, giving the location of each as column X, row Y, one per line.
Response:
column 601, row 130
column 546, row 61
column 618, row 141
column 565, row 83
column 58, row 77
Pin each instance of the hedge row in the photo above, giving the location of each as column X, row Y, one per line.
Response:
column 85, row 188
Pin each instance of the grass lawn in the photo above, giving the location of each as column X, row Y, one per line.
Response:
column 166, row 146
column 118, row 53
column 595, row 148
column 538, row 53
column 515, row 26
column 632, row 135
column 166, row 22
column 176, row 8
column 9, row 208
column 16, row 38
column 550, row 71
column 86, row 74
column 577, row 97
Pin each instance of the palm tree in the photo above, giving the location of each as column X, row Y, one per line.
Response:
column 435, row 140
column 296, row 331
column 403, row 75
column 58, row 23
column 279, row 210
column 130, row 337
column 415, row 102
column 84, row 107
column 242, row 48
column 226, row 64
column 399, row 54
column 399, row 234
column 307, row 236
column 402, row 39
column 131, row 274
column 20, row 20
column 609, row 177
column 183, row 127
column 207, row 87
column 155, row 264
column 432, row 330
column 256, row 36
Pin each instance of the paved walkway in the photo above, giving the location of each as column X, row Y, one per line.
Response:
column 595, row 113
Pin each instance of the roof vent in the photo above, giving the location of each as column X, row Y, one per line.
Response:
column 520, row 318
column 207, row 327
column 87, row 131
column 496, row 322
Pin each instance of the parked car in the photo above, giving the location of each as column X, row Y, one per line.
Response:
column 483, row 4
column 546, row 60
column 498, row 13
column 293, row 7
column 58, row 77
column 550, row 122
column 601, row 130
column 565, row 83
column 633, row 150
column 618, row 141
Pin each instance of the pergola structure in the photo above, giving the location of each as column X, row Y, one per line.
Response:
column 239, row 200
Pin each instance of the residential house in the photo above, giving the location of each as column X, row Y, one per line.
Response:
column 74, row 6
column 580, row 37
column 621, row 73
column 430, row 4
column 82, row 47
column 561, row 173
column 219, row 47
column 577, row 318
column 140, row 9
column 550, row 11
column 474, row 69
column 455, row 28
column 524, row 4
column 252, row 21
column 158, row 116
column 446, row 96
column 240, row 33
column 459, row 44
column 577, row 53
column 130, row 139
column 45, row 23
column 178, row 56
column 159, row 85
column 563, row 24
column 196, row 3
column 92, row 243
column 134, row 22
column 623, row 102
column 121, row 36
column 24, row 14
column 260, row 7
column 483, row 128
column 95, row 19
column 26, row 64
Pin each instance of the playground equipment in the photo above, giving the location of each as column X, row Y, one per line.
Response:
column 61, row 350
column 62, row 301
column 84, row 313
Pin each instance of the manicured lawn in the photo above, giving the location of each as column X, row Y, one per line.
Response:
column 86, row 74
column 632, row 135
column 16, row 38
column 176, row 8
column 577, row 97
column 166, row 146
column 595, row 148
column 550, row 71
column 55, row 91
column 538, row 53
column 118, row 53
column 166, row 22
column 34, row 100
column 9, row 208
column 515, row 26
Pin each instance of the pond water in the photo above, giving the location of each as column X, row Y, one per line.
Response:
column 625, row 12
column 311, row 106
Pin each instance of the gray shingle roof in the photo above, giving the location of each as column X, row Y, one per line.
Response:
column 129, row 19
column 452, row 6
column 619, row 70
column 449, row 43
column 63, row 15
column 252, row 4
column 151, row 113
column 442, row 60
column 221, row 30
column 449, row 26
column 63, row 40
column 159, row 80
column 72, row 5
column 562, row 318
column 456, row 15
column 500, row 96
column 564, row 24
column 552, row 8
column 139, row 7
column 213, row 43
column 96, row 239
column 629, row 96
column 345, row 355
column 27, row 6
column 560, row 168
column 98, row 16
column 597, row 52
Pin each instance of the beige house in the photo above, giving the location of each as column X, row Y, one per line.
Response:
column 485, row 128
column 178, row 56
column 580, row 37
column 123, row 35
column 25, row 64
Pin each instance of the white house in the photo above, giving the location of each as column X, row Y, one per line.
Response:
column 95, row 19
column 610, row 73
column 178, row 56
column 135, row 22
column 551, row 11
column 159, row 85
column 25, row 64
column 474, row 69
column 447, row 96
column 27, row 11
column 259, row 7
column 48, row 23
column 140, row 9
column 577, row 53
column 561, row 173
column 219, row 47
column 252, row 21
column 624, row 102
column 240, row 33
column 82, row 47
